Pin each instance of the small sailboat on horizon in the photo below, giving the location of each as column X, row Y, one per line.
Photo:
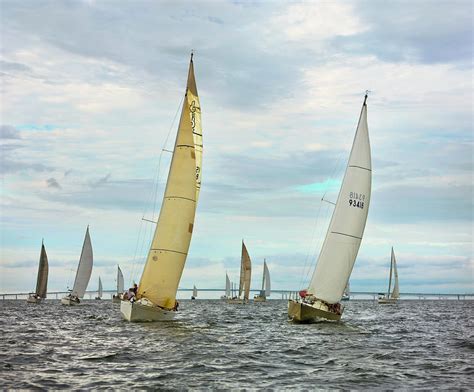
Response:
column 99, row 290
column 346, row 296
column 245, row 278
column 42, row 278
column 391, row 297
column 120, row 286
column 83, row 273
column 227, row 294
column 322, row 298
column 195, row 293
column 266, row 285
column 156, row 295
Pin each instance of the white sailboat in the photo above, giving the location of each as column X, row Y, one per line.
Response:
column 343, row 238
column 83, row 274
column 266, row 286
column 41, row 279
column 227, row 288
column 245, row 278
column 156, row 296
column 392, row 297
column 120, row 286
column 346, row 295
column 99, row 290
column 195, row 293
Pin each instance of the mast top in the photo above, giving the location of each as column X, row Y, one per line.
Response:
column 192, row 54
column 365, row 97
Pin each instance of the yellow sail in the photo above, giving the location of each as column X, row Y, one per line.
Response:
column 245, row 273
column 169, row 248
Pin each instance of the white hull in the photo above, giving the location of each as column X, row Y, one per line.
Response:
column 68, row 301
column 33, row 300
column 135, row 311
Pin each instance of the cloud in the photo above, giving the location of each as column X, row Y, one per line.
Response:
column 9, row 132
column 53, row 183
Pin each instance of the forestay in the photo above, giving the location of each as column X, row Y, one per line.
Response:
column 170, row 244
column 346, row 228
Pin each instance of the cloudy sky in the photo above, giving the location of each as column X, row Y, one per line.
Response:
column 90, row 90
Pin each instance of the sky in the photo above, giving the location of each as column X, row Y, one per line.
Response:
column 90, row 91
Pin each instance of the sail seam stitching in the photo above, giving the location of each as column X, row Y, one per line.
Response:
column 169, row 250
column 179, row 197
column 348, row 235
column 360, row 167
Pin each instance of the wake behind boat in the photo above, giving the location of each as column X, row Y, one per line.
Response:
column 83, row 274
column 156, row 296
column 343, row 238
column 391, row 297
column 41, row 280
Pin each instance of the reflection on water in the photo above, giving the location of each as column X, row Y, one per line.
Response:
column 210, row 344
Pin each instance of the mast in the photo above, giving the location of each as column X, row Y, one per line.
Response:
column 84, row 268
column 170, row 244
column 347, row 225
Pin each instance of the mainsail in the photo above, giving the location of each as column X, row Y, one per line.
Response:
column 120, row 283
column 99, row 291
column 195, row 291
column 347, row 225
column 266, row 287
column 170, row 244
column 245, row 272
column 42, row 279
column 227, row 286
column 393, row 266
column 84, row 269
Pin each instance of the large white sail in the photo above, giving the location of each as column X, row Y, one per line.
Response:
column 84, row 269
column 396, row 290
column 347, row 225
column 120, row 283
column 42, row 279
column 170, row 245
column 266, row 276
column 227, row 286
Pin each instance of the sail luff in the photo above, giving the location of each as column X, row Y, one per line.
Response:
column 396, row 290
column 173, row 232
column 42, row 279
column 390, row 275
column 84, row 268
column 347, row 224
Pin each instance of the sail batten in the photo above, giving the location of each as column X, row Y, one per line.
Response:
column 172, row 238
column 346, row 228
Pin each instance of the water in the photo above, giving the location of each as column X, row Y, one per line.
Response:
column 213, row 345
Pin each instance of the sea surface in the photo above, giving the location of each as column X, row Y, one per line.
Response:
column 214, row 345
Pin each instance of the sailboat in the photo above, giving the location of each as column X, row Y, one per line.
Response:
column 392, row 298
column 195, row 293
column 120, row 286
column 41, row 280
column 156, row 296
column 245, row 277
column 99, row 290
column 83, row 274
column 343, row 238
column 227, row 288
column 266, row 288
column 346, row 295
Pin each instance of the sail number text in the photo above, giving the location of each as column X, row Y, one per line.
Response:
column 356, row 200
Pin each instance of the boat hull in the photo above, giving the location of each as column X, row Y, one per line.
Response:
column 306, row 313
column 259, row 298
column 116, row 299
column 236, row 301
column 134, row 311
column 388, row 301
column 68, row 301
column 33, row 300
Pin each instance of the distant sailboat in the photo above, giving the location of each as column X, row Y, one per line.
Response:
column 195, row 293
column 227, row 288
column 343, row 238
column 346, row 296
column 83, row 274
column 156, row 297
column 120, row 286
column 42, row 278
column 245, row 278
column 392, row 298
column 266, row 287
column 99, row 290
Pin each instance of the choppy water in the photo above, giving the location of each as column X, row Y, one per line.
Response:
column 211, row 345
